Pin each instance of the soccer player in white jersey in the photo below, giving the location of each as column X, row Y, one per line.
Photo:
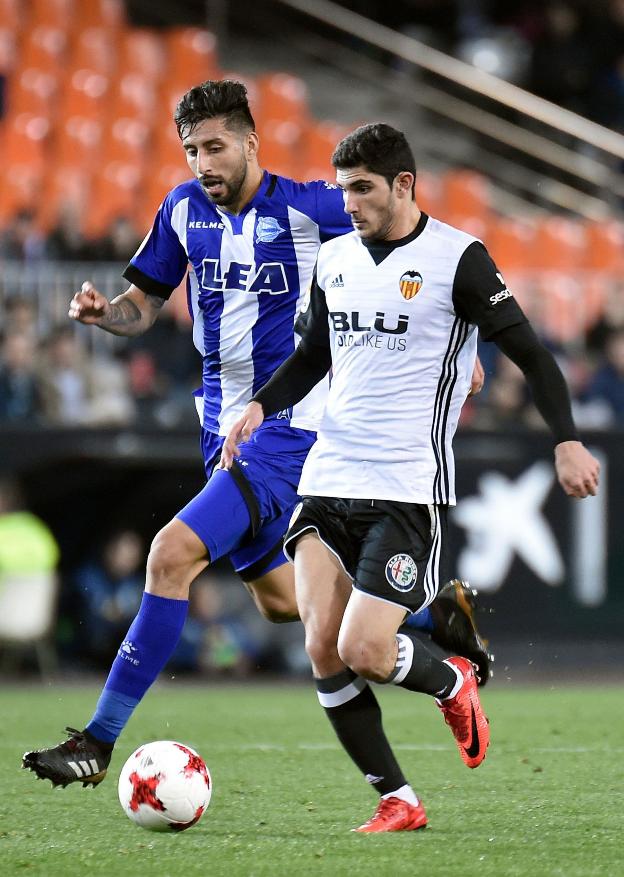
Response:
column 394, row 311
column 249, row 239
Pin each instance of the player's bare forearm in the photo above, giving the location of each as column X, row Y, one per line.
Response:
column 130, row 314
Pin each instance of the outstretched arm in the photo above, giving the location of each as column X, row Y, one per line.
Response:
column 129, row 314
column 293, row 380
column 577, row 470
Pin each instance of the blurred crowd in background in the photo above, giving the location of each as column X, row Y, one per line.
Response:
column 52, row 375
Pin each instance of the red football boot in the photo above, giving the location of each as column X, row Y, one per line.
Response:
column 465, row 717
column 394, row 814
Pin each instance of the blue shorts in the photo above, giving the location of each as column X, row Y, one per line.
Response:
column 244, row 512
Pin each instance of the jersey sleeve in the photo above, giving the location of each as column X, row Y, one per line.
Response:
column 480, row 295
column 159, row 265
column 313, row 323
column 331, row 217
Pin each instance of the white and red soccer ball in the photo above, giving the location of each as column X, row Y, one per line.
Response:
column 165, row 786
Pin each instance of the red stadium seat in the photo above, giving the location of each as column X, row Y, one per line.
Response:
column 318, row 142
column 110, row 14
column 32, row 90
column 84, row 94
column 605, row 246
column 559, row 244
column 466, row 193
column 45, row 47
column 510, row 243
column 429, row 193
column 65, row 187
column 282, row 96
column 114, row 193
column 54, row 13
column 142, row 51
column 135, row 95
column 12, row 15
column 25, row 138
column 20, row 189
column 77, row 142
column 125, row 139
column 94, row 48
column 192, row 56
column 8, row 50
column 281, row 146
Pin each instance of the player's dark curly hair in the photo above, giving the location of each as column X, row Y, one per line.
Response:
column 215, row 97
column 380, row 148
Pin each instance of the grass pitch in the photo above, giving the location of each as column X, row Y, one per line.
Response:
column 546, row 801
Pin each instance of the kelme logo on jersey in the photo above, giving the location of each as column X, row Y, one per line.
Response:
column 401, row 572
column 410, row 284
column 267, row 229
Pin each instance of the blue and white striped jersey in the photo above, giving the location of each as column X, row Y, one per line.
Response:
column 247, row 278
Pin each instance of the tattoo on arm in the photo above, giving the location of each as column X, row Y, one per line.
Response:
column 125, row 317
column 122, row 313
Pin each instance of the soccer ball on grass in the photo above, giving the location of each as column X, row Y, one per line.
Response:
column 165, row 786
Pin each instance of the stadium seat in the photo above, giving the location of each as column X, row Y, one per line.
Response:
column 115, row 190
column 83, row 94
column 94, row 48
column 192, row 56
column 318, row 141
column 110, row 14
column 32, row 90
column 12, row 15
column 54, row 13
column 24, row 140
column 20, row 189
column 559, row 244
column 282, row 96
column 8, row 50
column 605, row 246
column 65, row 187
column 429, row 193
column 281, row 146
column 44, row 47
column 558, row 306
column 510, row 242
column 157, row 184
column 77, row 142
column 142, row 51
column 125, row 140
column 466, row 193
column 27, row 616
column 135, row 96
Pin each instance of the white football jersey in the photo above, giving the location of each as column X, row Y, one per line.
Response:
column 402, row 360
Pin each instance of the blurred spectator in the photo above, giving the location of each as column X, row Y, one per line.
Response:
column 66, row 242
column 561, row 63
column 611, row 320
column 26, row 543
column 216, row 639
column 119, row 244
column 607, row 385
column 109, row 589
column 79, row 390
column 20, row 389
column 20, row 315
column 23, row 241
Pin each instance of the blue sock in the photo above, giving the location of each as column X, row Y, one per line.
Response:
column 420, row 620
column 152, row 637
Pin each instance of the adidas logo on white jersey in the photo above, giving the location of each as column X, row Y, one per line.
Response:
column 337, row 281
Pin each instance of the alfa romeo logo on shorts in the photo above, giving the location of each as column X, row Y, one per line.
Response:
column 401, row 572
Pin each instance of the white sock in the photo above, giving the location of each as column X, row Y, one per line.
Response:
column 405, row 793
column 458, row 684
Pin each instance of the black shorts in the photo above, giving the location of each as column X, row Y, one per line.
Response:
column 394, row 551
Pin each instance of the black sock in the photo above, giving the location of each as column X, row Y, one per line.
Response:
column 417, row 669
column 353, row 710
column 105, row 747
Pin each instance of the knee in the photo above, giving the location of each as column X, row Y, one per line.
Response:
column 364, row 657
column 173, row 562
column 278, row 610
column 323, row 652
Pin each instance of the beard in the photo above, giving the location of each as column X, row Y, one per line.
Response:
column 222, row 192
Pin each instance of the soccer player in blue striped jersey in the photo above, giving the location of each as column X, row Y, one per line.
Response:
column 248, row 239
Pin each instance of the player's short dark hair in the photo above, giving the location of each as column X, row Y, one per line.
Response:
column 379, row 148
column 215, row 97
